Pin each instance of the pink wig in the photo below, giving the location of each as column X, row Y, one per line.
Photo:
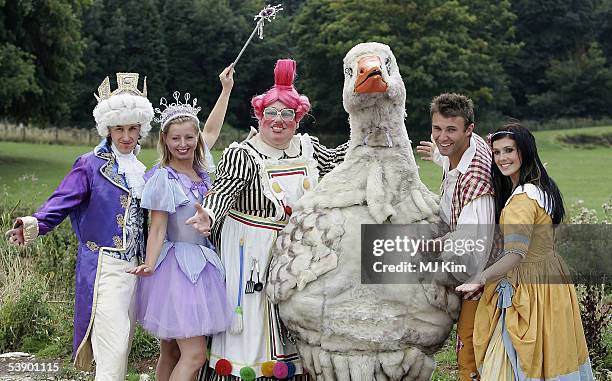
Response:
column 283, row 90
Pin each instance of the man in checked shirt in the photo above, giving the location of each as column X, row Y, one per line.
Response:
column 467, row 204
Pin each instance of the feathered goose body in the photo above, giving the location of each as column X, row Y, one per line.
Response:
column 346, row 330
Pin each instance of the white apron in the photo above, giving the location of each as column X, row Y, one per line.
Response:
column 261, row 341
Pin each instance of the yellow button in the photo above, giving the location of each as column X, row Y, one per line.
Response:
column 306, row 184
column 276, row 188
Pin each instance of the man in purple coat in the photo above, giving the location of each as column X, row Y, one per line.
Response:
column 101, row 194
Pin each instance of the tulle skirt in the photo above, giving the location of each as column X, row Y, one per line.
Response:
column 170, row 306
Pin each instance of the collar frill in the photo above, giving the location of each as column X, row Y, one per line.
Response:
column 197, row 188
column 132, row 169
column 292, row 150
column 533, row 192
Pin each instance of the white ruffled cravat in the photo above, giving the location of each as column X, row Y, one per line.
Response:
column 132, row 169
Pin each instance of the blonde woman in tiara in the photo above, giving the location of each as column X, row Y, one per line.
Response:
column 181, row 297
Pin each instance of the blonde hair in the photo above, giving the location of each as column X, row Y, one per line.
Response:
column 199, row 157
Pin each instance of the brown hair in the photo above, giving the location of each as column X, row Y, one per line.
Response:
column 452, row 104
column 199, row 158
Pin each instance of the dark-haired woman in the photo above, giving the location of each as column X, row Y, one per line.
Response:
column 527, row 324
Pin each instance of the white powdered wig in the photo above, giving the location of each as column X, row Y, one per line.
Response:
column 123, row 109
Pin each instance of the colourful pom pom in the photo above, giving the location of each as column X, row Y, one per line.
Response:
column 267, row 368
column 247, row 373
column 280, row 370
column 223, row 367
column 290, row 370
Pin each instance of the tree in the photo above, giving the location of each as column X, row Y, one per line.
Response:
column 200, row 36
column 145, row 49
column 104, row 38
column 550, row 30
column 493, row 28
column 120, row 36
column 204, row 36
column 578, row 86
column 42, row 41
column 17, row 76
column 603, row 14
column 433, row 42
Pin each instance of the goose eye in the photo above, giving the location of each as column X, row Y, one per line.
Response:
column 348, row 71
column 388, row 64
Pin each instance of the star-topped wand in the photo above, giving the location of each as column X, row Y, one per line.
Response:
column 266, row 14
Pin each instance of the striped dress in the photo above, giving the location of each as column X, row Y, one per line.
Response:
column 238, row 187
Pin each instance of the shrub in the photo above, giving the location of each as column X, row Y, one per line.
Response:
column 144, row 346
column 594, row 311
column 30, row 280
column 26, row 322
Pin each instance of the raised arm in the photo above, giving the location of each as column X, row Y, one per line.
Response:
column 213, row 124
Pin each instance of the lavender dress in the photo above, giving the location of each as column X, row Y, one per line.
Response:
column 185, row 296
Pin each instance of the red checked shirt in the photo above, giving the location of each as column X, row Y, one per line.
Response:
column 468, row 206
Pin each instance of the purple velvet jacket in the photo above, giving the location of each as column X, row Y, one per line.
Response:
column 98, row 200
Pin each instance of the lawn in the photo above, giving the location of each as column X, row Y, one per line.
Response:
column 29, row 172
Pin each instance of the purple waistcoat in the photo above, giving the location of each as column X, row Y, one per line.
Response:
column 97, row 199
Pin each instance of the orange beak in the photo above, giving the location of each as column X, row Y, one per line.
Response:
column 369, row 79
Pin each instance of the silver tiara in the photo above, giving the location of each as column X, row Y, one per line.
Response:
column 490, row 136
column 178, row 109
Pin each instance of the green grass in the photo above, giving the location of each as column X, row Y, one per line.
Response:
column 581, row 173
column 30, row 172
column 446, row 361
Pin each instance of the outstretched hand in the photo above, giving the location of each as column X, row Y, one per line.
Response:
column 472, row 285
column 15, row 236
column 200, row 221
column 142, row 270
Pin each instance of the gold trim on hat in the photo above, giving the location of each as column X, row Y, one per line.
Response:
column 126, row 83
